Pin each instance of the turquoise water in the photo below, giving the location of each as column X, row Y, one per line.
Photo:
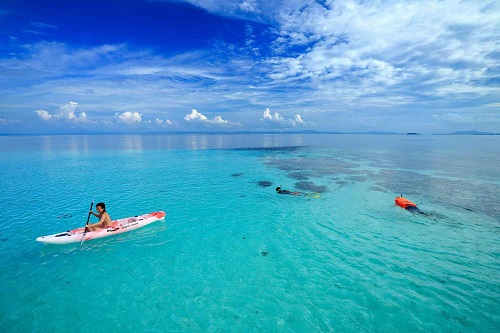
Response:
column 234, row 256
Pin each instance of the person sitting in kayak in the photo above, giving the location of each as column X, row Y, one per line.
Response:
column 280, row 191
column 103, row 216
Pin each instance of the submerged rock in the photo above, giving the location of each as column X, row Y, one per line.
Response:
column 311, row 187
column 265, row 183
column 299, row 175
column 358, row 178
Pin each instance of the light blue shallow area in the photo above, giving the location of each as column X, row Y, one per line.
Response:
column 234, row 256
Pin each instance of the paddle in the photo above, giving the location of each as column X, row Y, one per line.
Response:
column 88, row 219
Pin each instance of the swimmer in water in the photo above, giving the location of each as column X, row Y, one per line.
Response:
column 280, row 191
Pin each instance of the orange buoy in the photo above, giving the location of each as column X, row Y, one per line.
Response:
column 404, row 203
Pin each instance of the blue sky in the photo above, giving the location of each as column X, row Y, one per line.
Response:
column 249, row 65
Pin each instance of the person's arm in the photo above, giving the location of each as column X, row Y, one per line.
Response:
column 90, row 225
column 97, row 223
column 94, row 224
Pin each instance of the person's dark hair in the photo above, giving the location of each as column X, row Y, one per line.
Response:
column 101, row 204
column 278, row 189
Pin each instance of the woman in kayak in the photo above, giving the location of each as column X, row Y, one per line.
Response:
column 103, row 216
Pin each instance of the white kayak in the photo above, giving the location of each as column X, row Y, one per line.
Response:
column 118, row 227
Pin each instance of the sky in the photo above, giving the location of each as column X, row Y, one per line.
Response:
column 144, row 66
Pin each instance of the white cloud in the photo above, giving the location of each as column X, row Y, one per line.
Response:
column 249, row 6
column 197, row 117
column 166, row 121
column 276, row 118
column 257, row 10
column 451, row 118
column 388, row 48
column 161, row 122
column 218, row 120
column 53, row 57
column 298, row 119
column 129, row 117
column 7, row 121
column 66, row 113
column 43, row 114
column 457, row 119
column 319, row 59
column 43, row 25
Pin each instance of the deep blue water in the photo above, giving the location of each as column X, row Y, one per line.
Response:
column 234, row 256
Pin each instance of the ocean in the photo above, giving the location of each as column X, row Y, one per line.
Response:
column 235, row 256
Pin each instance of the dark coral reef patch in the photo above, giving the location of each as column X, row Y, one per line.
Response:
column 264, row 183
column 311, row 187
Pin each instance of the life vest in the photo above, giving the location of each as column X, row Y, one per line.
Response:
column 404, row 203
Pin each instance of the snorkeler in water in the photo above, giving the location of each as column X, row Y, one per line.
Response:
column 410, row 206
column 281, row 191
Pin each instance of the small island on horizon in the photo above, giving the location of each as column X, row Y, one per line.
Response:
column 473, row 132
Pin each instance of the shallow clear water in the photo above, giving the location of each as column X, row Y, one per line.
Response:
column 234, row 256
